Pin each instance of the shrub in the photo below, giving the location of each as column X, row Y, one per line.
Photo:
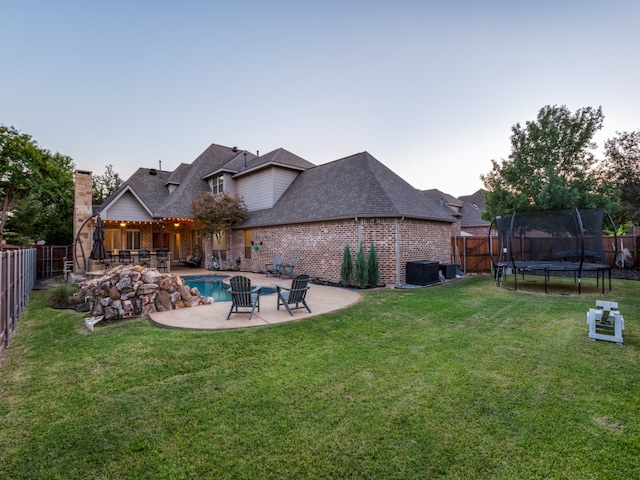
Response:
column 61, row 293
column 346, row 268
column 360, row 273
column 373, row 268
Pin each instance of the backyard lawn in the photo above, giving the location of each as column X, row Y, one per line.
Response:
column 459, row 381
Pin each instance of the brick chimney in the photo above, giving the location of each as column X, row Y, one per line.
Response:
column 82, row 211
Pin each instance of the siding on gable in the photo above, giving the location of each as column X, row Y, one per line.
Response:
column 282, row 178
column 263, row 189
column 230, row 185
column 256, row 190
column 128, row 208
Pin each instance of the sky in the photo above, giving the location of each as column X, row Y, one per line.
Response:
column 429, row 88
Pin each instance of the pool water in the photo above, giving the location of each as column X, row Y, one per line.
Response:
column 213, row 286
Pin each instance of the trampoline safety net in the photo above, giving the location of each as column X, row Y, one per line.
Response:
column 552, row 241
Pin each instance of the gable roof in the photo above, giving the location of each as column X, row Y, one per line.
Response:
column 214, row 158
column 149, row 184
column 354, row 186
column 279, row 157
column 146, row 184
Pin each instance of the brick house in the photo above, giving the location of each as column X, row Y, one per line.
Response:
column 296, row 209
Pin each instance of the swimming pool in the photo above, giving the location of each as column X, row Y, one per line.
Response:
column 213, row 286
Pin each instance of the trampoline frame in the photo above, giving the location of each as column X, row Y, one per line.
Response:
column 577, row 261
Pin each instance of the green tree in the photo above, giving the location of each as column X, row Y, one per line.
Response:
column 346, row 268
column 360, row 273
column 37, row 191
column 622, row 167
column 373, row 268
column 217, row 213
column 105, row 184
column 551, row 165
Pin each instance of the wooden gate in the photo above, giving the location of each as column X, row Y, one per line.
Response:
column 472, row 254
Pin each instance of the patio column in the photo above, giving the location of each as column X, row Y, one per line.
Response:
column 83, row 194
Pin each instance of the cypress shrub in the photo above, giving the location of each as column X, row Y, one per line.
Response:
column 360, row 271
column 373, row 268
column 346, row 268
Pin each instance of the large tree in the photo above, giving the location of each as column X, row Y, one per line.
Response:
column 217, row 212
column 622, row 167
column 36, row 190
column 105, row 184
column 551, row 165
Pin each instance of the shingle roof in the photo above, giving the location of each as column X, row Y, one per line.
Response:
column 436, row 194
column 215, row 157
column 148, row 184
column 444, row 200
column 179, row 174
column 279, row 157
column 355, row 186
column 472, row 210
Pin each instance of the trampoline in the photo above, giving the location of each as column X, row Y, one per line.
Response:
column 551, row 243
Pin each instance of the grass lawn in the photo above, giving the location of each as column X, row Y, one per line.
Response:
column 459, row 381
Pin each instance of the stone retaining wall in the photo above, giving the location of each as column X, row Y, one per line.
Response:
column 127, row 291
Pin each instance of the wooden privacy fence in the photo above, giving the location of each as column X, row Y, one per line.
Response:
column 51, row 260
column 17, row 279
column 472, row 253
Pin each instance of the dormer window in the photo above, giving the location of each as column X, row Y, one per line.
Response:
column 217, row 184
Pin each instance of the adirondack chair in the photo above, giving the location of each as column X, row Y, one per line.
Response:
column 287, row 268
column 294, row 295
column 244, row 298
column 274, row 268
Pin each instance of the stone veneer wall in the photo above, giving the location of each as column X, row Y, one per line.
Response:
column 83, row 193
column 318, row 247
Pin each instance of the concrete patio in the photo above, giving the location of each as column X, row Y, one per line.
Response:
column 320, row 298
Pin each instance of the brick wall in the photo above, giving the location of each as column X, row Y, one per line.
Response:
column 318, row 246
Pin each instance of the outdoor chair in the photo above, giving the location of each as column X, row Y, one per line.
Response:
column 294, row 295
column 124, row 257
column 274, row 268
column 244, row 298
column 287, row 268
column 194, row 260
column 110, row 259
column 144, row 258
column 162, row 257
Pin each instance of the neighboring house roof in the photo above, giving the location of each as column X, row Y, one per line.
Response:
column 448, row 203
column 472, row 208
column 355, row 186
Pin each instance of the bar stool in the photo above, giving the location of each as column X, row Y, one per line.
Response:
column 162, row 257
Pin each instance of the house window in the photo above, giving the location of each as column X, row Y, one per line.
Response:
column 112, row 239
column 217, row 184
column 133, row 239
column 247, row 243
